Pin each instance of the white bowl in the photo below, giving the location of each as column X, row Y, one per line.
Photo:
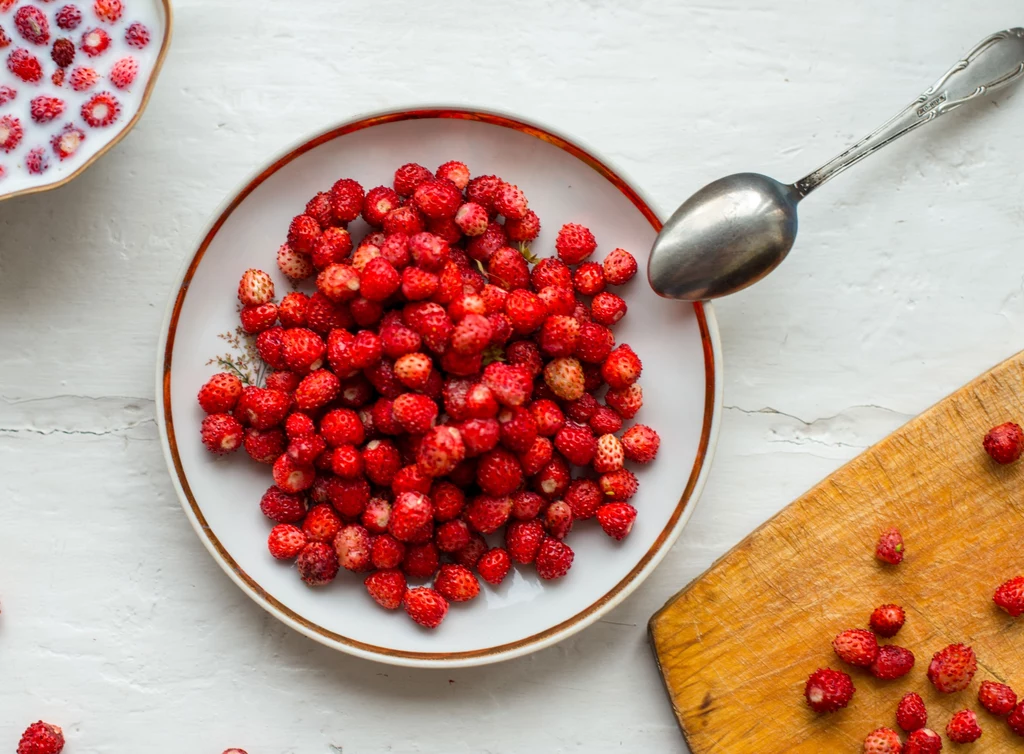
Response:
column 682, row 381
column 158, row 18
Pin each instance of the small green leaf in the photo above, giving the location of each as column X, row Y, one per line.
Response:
column 492, row 354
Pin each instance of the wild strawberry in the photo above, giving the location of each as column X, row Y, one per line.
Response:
column 952, row 668
column 856, row 647
column 286, row 541
column 622, row 368
column 577, row 443
column 342, row 426
column 518, row 429
column 108, row 10
column 413, row 370
column 553, row 480
column 7, row 94
column 595, row 343
column 386, row 587
column 828, row 690
column 887, row 620
column 890, row 547
column 221, row 433
column 83, row 79
column 892, row 662
column 616, row 519
column 377, row 203
column 425, row 606
column 997, row 698
column 317, row 564
column 69, row 17
column 347, row 462
column 415, row 413
column 349, row 496
column 409, row 176
column 294, row 264
column 883, row 741
column 1004, row 443
column 316, row 389
column 472, row 219
column 32, row 24
column 526, row 505
column 321, row 524
column 525, row 311
column 302, row 350
column 339, row 282
column 406, row 220
column 911, row 713
column 640, row 443
column 486, row 513
column 136, row 35
column 264, row 445
column 282, row 507
column 410, row 512
column 124, row 71
column 303, row 233
column 379, row 280
column 352, row 543
column 452, row 536
column 619, row 267
column 66, row 142
column 481, row 190
column 479, row 436
column 523, row 540
column 41, row 738
column 923, row 741
column 220, row 393
column 605, row 421
column 101, row 110
column 292, row 309
column 94, row 42
column 456, row 583
column 5, row 41
column 366, row 350
column 256, row 319
column 559, row 335
column 332, row 246
column 36, row 161
column 454, row 171
column 507, row 268
column 417, row 284
column 524, row 229
column 565, row 378
column 440, row 451
column 537, row 456
column 619, row 485
column 589, row 279
column 63, row 52
column 558, row 519
column 493, row 566
column 1016, row 719
column 386, row 551
column 607, row 308
column 465, row 304
column 291, row 477
column 554, row 559
column 346, row 200
column 510, row 201
column 574, row 243
column 963, row 728
column 511, row 385
column 470, row 555
column 499, row 473
column 363, row 255
column 25, row 65
column 437, row 199
column 584, row 498
column 381, row 461
column 1010, row 597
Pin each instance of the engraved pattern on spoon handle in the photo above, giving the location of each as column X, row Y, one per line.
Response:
column 995, row 62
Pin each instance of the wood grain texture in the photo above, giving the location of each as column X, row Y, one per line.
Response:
column 736, row 646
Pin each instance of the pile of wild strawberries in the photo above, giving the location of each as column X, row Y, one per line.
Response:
column 951, row 669
column 435, row 389
column 42, row 40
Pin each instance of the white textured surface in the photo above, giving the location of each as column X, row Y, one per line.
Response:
column 118, row 626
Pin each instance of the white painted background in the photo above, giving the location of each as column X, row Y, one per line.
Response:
column 906, row 282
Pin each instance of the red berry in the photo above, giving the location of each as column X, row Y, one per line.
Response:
column 619, row 267
column 101, row 110
column 892, row 662
column 69, row 17
column 124, row 71
column 493, row 566
column 523, row 229
column 887, row 620
column 456, row 583
column 574, row 243
column 564, row 376
column 425, row 606
column 911, row 713
column 82, row 79
column 963, row 727
column 94, row 42
column 353, row 545
column 553, row 480
column 346, row 200
column 619, row 485
column 282, row 507
column 923, row 741
column 386, row 551
column 36, row 161
column 406, row 220
column 440, row 451
column 1004, row 443
column 856, row 647
column 498, row 473
column 136, row 35
column 616, row 519
column 507, row 269
column 317, row 564
column 256, row 319
column 456, row 172
column 66, row 142
column 264, row 445
column 41, row 738
column 589, row 279
column 437, row 199
column 220, row 393
column 1016, row 719
column 890, row 547
column 409, row 514
column 386, row 587
column 577, row 443
column 883, row 741
column 952, row 668
column 1010, row 597
column 32, row 24
column 558, row 519
column 595, row 343
column 472, row 219
column 607, row 308
column 554, row 559
column 378, row 203
column 25, row 65
column 11, row 132
column 997, row 698
column 510, row 201
column 584, row 498
column 291, row 477
column 63, row 52
column 108, row 10
column 523, row 540
column 221, row 433
column 605, row 421
column 286, row 541
column 321, row 524
column 7, row 94
column 828, row 690
column 409, row 176
column 510, row 384
column 640, row 443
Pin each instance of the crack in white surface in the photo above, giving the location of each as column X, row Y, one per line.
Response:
column 812, row 422
column 75, row 415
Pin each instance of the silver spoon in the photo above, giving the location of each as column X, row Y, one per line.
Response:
column 733, row 232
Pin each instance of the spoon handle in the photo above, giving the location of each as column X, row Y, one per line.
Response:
column 995, row 62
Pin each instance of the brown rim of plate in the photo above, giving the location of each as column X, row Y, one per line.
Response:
column 164, row 47
column 450, row 113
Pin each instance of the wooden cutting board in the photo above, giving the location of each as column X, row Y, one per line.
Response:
column 736, row 646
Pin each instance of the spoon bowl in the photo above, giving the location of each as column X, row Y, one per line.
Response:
column 728, row 235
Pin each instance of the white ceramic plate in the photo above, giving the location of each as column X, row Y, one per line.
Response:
column 682, row 381
column 156, row 15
